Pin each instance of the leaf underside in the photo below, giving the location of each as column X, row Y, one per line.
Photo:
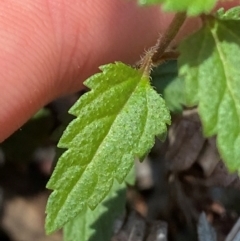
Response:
column 209, row 62
column 192, row 8
column 117, row 121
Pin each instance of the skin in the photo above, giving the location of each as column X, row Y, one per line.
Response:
column 48, row 48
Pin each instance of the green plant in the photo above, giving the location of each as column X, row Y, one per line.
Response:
column 118, row 119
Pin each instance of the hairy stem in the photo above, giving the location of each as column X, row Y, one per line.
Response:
column 169, row 35
column 157, row 54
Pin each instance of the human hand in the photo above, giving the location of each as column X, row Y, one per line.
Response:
column 48, row 48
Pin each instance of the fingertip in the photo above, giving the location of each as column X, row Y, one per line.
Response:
column 28, row 63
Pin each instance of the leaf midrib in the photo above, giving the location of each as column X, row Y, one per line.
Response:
column 227, row 76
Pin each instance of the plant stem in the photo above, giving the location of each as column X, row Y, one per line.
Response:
column 156, row 55
column 168, row 55
column 169, row 35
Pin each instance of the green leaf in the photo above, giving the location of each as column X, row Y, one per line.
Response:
column 231, row 14
column 192, row 8
column 97, row 224
column 209, row 62
column 167, row 82
column 116, row 122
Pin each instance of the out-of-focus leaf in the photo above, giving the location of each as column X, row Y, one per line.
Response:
column 192, row 7
column 211, row 74
column 231, row 14
column 167, row 82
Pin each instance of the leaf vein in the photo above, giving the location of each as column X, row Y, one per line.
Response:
column 228, row 80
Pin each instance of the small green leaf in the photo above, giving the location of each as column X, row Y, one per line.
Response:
column 116, row 122
column 97, row 224
column 231, row 14
column 167, row 82
column 209, row 62
column 192, row 8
